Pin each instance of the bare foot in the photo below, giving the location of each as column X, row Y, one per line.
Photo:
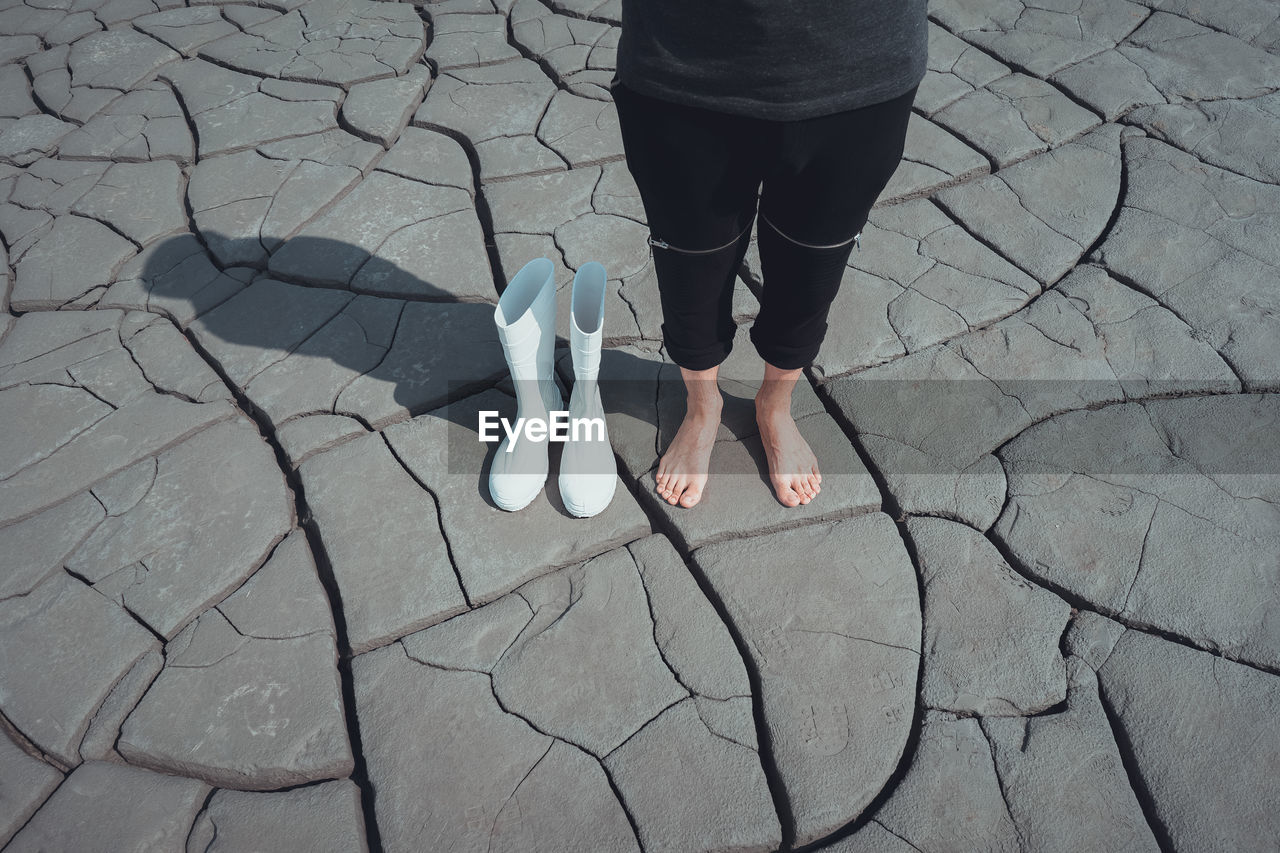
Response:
column 682, row 471
column 793, row 469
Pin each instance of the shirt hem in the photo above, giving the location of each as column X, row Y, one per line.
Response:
column 772, row 110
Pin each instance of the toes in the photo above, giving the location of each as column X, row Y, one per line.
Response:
column 804, row 488
column 676, row 488
column 669, row 486
column 691, row 496
column 788, row 490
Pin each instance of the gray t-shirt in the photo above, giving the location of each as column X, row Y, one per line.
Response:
column 773, row 59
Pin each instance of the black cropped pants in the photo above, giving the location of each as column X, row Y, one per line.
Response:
column 702, row 174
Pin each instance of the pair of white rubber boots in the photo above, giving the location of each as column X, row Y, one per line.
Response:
column 526, row 321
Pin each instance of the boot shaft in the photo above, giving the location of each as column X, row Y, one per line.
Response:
column 525, row 318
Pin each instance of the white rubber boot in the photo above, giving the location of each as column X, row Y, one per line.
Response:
column 588, row 473
column 526, row 321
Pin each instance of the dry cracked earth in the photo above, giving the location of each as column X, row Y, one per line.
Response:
column 253, row 593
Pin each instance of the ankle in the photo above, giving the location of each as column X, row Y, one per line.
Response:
column 772, row 405
column 703, row 418
column 704, row 405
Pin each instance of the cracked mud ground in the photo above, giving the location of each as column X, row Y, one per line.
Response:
column 253, row 594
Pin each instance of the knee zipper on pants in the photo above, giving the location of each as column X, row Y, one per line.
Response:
column 856, row 239
column 663, row 244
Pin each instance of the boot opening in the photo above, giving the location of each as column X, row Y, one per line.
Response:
column 588, row 297
column 523, row 289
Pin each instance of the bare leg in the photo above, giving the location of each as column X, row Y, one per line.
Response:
column 793, row 469
column 682, row 471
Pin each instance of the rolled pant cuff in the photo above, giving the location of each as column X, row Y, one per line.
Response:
column 785, row 357
column 702, row 358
